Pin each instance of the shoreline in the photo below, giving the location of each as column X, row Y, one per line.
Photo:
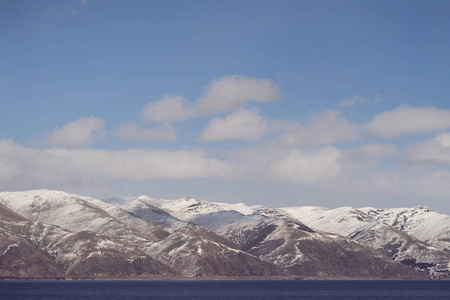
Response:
column 215, row 278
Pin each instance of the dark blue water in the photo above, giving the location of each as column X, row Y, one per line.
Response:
column 261, row 290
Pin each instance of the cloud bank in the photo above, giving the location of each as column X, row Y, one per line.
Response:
column 22, row 166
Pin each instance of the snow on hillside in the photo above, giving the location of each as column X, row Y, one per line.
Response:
column 186, row 208
column 421, row 222
column 285, row 238
column 140, row 208
column 72, row 212
column 342, row 220
column 240, row 207
column 373, row 228
column 79, row 213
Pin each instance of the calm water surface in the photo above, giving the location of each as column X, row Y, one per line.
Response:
column 261, row 290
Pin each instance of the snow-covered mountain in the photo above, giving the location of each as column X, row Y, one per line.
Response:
column 274, row 236
column 141, row 208
column 46, row 233
column 34, row 249
column 420, row 222
column 374, row 227
column 84, row 236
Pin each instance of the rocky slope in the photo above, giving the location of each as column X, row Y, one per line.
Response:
column 374, row 230
column 420, row 222
column 73, row 235
column 274, row 236
column 19, row 257
column 33, row 249
column 47, row 233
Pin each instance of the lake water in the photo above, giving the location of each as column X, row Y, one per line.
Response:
column 261, row 290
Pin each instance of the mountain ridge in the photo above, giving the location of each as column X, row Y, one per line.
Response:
column 77, row 235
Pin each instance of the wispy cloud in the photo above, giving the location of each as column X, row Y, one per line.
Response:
column 357, row 100
column 162, row 133
column 353, row 101
column 373, row 151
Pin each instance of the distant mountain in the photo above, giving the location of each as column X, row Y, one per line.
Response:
column 420, row 222
column 35, row 249
column 50, row 234
column 19, row 256
column 276, row 237
column 373, row 227
column 83, row 236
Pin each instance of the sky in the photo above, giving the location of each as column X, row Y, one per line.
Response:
column 278, row 103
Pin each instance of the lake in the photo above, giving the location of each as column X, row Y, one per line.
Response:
column 256, row 289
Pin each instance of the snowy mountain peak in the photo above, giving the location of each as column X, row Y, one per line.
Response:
column 41, row 199
column 272, row 213
column 27, row 196
column 192, row 236
column 186, row 208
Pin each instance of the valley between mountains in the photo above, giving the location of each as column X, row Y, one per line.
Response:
column 53, row 234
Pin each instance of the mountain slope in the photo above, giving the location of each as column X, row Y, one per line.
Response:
column 420, row 222
column 274, row 236
column 34, row 249
column 140, row 208
column 192, row 250
column 18, row 256
column 52, row 233
column 370, row 230
column 86, row 236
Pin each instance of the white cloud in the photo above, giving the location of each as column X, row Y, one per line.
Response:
column 434, row 151
column 273, row 164
column 223, row 94
column 443, row 139
column 300, row 167
column 232, row 92
column 168, row 108
column 408, row 120
column 84, row 3
column 79, row 133
column 374, row 151
column 162, row 133
column 419, row 183
column 24, row 168
column 244, row 124
column 326, row 128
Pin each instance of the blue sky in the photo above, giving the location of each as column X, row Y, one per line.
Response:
column 279, row 103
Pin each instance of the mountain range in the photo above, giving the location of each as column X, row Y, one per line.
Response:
column 54, row 234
